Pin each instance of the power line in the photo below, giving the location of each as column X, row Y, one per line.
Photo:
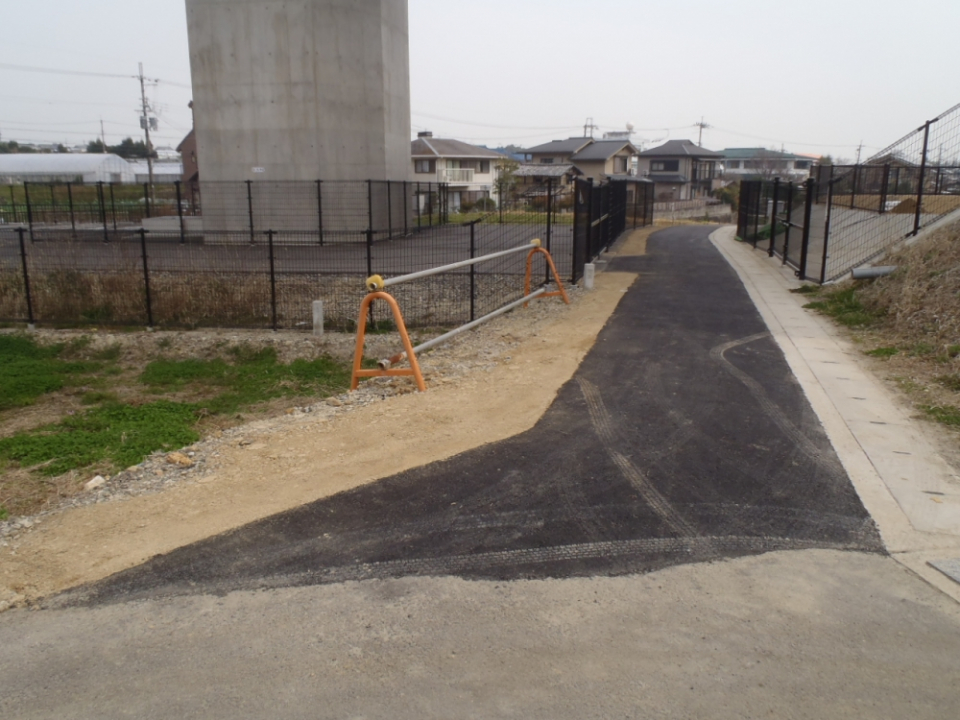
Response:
column 86, row 73
column 19, row 98
column 488, row 125
column 787, row 142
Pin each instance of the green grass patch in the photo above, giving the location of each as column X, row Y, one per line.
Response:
column 883, row 352
column 807, row 289
column 845, row 307
column 951, row 382
column 29, row 370
column 922, row 349
column 120, row 434
column 123, row 434
column 946, row 414
column 253, row 377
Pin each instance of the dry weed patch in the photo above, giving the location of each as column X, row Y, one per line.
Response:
column 910, row 321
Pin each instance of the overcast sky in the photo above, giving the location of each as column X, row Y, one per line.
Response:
column 816, row 76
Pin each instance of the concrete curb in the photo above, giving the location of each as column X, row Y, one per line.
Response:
column 910, row 491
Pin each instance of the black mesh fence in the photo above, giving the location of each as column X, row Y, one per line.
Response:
column 259, row 254
column 602, row 212
column 904, row 188
column 849, row 215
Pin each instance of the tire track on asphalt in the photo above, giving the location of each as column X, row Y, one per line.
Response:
column 602, row 425
column 769, row 407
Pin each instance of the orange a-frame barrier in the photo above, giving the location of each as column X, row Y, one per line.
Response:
column 358, row 371
column 377, row 285
column 560, row 291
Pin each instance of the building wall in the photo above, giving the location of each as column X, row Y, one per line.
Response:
column 299, row 90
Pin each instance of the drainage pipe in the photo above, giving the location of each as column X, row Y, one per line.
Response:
column 867, row 273
column 389, row 362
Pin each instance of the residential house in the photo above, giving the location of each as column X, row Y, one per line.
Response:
column 762, row 164
column 566, row 159
column 681, row 170
column 561, row 175
column 470, row 172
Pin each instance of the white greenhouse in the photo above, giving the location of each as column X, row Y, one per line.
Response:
column 63, row 167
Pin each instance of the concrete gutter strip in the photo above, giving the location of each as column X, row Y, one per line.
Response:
column 910, row 491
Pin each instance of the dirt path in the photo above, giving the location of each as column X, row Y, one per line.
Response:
column 284, row 463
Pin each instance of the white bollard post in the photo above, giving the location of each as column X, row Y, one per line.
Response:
column 589, row 274
column 318, row 318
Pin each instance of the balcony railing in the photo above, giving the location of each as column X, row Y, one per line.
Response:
column 455, row 176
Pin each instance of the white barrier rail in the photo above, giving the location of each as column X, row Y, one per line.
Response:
column 376, row 282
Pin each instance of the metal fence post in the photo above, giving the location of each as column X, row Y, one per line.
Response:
column 786, row 234
column 406, row 208
column 389, row 210
column 805, row 242
column 853, row 187
column 546, row 267
column 320, row 210
column 73, row 217
column 773, row 217
column 146, row 276
column 183, row 237
column 26, row 277
column 473, row 272
column 26, row 197
column 273, row 281
column 113, row 207
column 884, row 188
column 250, row 210
column 370, row 208
column 500, row 200
column 146, row 198
column 826, row 229
column 103, row 211
column 419, row 198
column 923, row 172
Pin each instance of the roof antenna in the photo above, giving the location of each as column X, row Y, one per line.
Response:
column 589, row 127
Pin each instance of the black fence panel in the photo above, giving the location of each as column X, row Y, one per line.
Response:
column 258, row 254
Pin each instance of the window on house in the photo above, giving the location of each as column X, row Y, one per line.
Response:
column 484, row 167
column 733, row 164
column 546, row 161
column 665, row 166
column 423, row 166
column 620, row 164
column 802, row 164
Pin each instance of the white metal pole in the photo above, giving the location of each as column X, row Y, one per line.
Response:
column 377, row 283
column 385, row 364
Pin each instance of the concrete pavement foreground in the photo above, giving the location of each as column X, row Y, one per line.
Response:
column 676, row 538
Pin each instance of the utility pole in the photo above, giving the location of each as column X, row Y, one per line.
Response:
column 859, row 150
column 103, row 138
column 703, row 126
column 145, row 124
column 589, row 127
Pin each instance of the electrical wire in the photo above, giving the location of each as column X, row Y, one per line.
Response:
column 86, row 73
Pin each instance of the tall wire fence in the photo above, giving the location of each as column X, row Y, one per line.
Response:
column 258, row 254
column 853, row 214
